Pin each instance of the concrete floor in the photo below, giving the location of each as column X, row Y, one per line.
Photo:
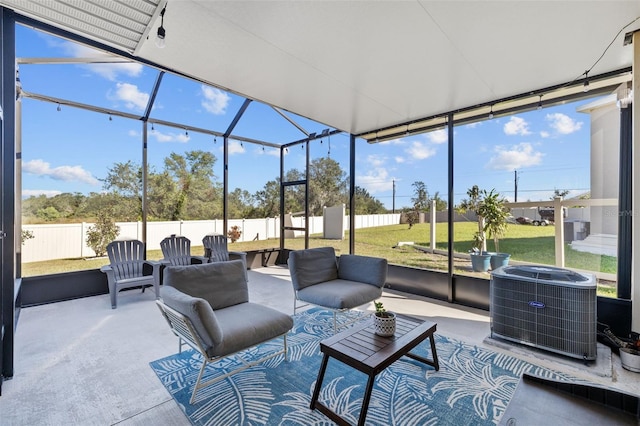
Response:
column 80, row 362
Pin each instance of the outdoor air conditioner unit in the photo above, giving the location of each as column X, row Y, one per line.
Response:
column 545, row 307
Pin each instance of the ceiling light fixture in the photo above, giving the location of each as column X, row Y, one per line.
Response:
column 585, row 88
column 540, row 102
column 152, row 129
column 58, row 109
column 110, row 118
column 491, row 112
column 160, row 41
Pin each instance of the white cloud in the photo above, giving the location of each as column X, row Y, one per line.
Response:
column 266, row 150
column 544, row 134
column 63, row 173
column 133, row 133
column 563, row 124
column 274, row 152
column 438, row 136
column 236, row 147
column 420, row 151
column 110, row 71
column 393, row 142
column 375, row 181
column 215, row 101
column 26, row 193
column 375, row 160
column 515, row 157
column 169, row 137
column 132, row 97
column 399, row 159
column 516, row 126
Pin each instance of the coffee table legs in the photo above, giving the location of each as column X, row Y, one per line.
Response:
column 315, row 404
column 316, row 390
column 366, row 399
column 432, row 362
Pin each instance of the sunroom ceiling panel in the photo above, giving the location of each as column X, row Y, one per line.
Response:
column 121, row 24
column 362, row 65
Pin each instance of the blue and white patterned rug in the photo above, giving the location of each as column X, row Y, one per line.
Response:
column 473, row 387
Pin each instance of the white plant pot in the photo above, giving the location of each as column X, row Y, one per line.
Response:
column 385, row 327
column 630, row 359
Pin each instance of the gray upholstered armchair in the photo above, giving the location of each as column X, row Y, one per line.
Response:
column 207, row 306
column 337, row 284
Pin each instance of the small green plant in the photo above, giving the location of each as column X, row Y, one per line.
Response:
column 380, row 310
column 25, row 235
column 234, row 233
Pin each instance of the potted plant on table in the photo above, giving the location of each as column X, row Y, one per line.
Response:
column 384, row 321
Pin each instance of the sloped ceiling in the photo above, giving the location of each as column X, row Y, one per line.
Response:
column 362, row 65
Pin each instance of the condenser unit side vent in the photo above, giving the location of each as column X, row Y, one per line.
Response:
column 547, row 308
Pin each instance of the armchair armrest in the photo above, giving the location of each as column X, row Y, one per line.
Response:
column 201, row 315
column 108, row 270
column 198, row 260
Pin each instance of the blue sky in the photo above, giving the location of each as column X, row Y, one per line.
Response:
column 70, row 150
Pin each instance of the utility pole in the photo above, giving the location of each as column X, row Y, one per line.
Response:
column 515, row 183
column 394, row 197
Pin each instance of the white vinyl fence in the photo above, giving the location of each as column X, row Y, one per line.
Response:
column 68, row 241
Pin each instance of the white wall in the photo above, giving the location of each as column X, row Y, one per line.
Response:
column 62, row 241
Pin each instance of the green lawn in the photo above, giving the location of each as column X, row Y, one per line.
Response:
column 525, row 243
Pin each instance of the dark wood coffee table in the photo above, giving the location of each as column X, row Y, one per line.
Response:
column 359, row 347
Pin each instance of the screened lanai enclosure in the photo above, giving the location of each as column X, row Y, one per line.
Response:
column 257, row 116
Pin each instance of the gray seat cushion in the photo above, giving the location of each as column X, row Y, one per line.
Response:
column 222, row 284
column 249, row 324
column 340, row 294
column 312, row 266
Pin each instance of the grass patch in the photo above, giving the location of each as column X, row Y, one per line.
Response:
column 524, row 243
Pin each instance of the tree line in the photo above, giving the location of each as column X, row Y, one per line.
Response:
column 186, row 188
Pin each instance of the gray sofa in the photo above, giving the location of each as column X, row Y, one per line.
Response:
column 338, row 284
column 207, row 306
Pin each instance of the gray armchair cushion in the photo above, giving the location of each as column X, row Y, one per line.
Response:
column 312, row 266
column 247, row 325
column 222, row 284
column 199, row 313
column 340, row 294
column 364, row 269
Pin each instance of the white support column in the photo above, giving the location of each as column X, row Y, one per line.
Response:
column 432, row 227
column 558, row 220
column 635, row 245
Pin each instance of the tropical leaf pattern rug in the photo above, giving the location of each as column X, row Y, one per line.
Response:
column 472, row 387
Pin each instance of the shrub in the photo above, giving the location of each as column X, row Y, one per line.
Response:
column 234, row 233
column 102, row 233
column 25, row 235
